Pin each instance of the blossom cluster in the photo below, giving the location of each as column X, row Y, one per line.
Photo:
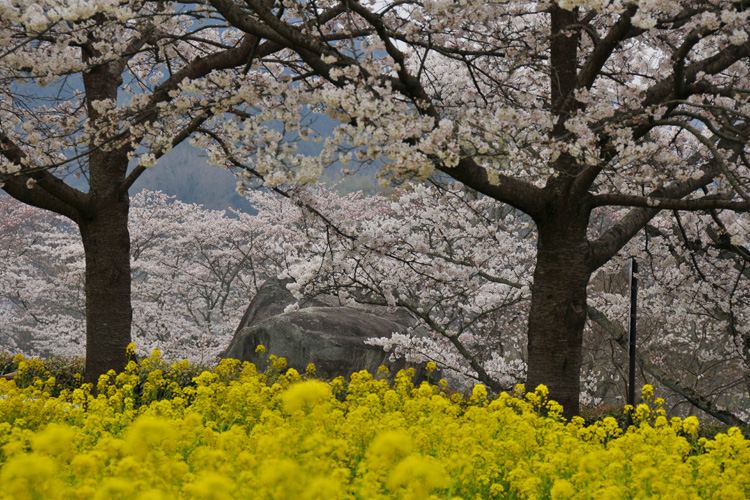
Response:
column 235, row 432
column 193, row 271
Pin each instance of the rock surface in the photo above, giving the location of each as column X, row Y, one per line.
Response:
column 330, row 336
column 272, row 298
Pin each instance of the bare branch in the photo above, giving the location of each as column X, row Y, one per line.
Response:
column 705, row 203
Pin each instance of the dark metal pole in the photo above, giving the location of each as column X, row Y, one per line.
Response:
column 631, row 334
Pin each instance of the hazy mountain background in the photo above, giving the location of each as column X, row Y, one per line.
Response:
column 185, row 174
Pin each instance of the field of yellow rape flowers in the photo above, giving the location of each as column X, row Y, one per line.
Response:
column 235, row 432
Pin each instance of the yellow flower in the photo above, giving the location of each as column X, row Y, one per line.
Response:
column 305, row 394
column 148, row 433
column 690, row 425
column 292, row 375
column 542, row 390
column 647, row 392
column 85, row 464
column 609, row 493
column 261, row 435
column 388, row 448
column 56, row 440
column 562, row 490
column 153, row 494
column 260, row 349
column 205, row 379
column 496, row 489
column 281, row 479
column 30, row 475
column 431, row 367
column 115, row 488
column 479, row 393
column 323, row 488
column 419, row 476
column 277, row 363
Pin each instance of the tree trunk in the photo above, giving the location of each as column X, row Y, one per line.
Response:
column 106, row 242
column 104, row 231
column 558, row 311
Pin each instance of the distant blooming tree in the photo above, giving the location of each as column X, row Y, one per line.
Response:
column 21, row 229
column 194, row 271
column 561, row 109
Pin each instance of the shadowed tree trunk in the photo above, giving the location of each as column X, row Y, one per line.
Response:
column 558, row 305
column 558, row 294
column 106, row 240
column 106, row 243
column 108, row 311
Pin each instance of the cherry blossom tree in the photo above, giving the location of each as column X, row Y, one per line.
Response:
column 560, row 109
column 21, row 227
column 86, row 87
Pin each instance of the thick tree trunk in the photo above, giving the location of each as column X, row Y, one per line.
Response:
column 558, row 311
column 106, row 243
column 104, row 230
column 558, row 294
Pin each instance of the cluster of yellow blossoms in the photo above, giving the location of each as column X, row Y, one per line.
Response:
column 238, row 433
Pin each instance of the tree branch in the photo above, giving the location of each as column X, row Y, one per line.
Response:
column 622, row 30
column 705, row 203
column 40, row 188
column 177, row 139
column 664, row 89
column 31, row 194
column 609, row 243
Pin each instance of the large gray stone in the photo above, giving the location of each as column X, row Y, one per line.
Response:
column 330, row 336
column 271, row 300
column 273, row 297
